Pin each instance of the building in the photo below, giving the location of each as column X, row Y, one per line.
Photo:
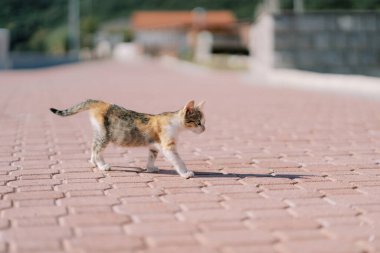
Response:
column 180, row 32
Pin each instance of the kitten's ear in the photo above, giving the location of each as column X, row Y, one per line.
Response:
column 189, row 105
column 201, row 105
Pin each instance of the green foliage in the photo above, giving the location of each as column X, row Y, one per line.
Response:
column 37, row 42
column 30, row 21
column 88, row 27
column 57, row 41
column 127, row 36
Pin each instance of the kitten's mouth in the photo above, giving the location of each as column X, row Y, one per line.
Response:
column 199, row 130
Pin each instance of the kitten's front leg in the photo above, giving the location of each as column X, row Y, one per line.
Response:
column 173, row 156
column 151, row 159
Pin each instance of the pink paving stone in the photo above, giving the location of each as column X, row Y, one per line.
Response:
column 37, row 246
column 220, row 189
column 307, row 202
column 129, row 185
column 341, row 221
column 264, row 214
column 222, row 226
column 172, row 240
column 105, row 243
column 99, row 230
column 4, row 223
column 37, row 233
column 35, row 188
column 125, row 179
column 364, row 232
column 90, row 209
column 140, row 199
column 191, row 197
column 200, row 205
column 250, row 249
column 242, row 195
column 180, row 190
column 132, row 192
column 7, row 178
column 181, row 249
column 34, row 182
column 34, row 195
column 82, row 186
column 78, row 175
column 154, row 217
column 223, row 238
column 5, row 189
column 254, row 204
column 31, row 177
column 35, row 221
column 211, row 215
column 322, row 211
column 318, row 246
column 34, row 203
column 95, row 219
column 290, row 224
column 135, row 208
column 52, row 191
column 88, row 201
column 175, row 184
column 302, row 234
column 5, row 204
column 85, row 193
column 161, row 228
column 29, row 212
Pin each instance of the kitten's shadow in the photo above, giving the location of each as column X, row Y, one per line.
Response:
column 209, row 174
column 126, row 169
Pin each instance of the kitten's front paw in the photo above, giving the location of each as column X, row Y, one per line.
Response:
column 152, row 169
column 105, row 167
column 187, row 174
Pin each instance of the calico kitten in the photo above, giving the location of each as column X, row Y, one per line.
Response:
column 112, row 123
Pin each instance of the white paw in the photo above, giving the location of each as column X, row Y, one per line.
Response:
column 152, row 169
column 93, row 163
column 187, row 174
column 105, row 167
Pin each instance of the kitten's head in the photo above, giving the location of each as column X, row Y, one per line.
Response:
column 194, row 119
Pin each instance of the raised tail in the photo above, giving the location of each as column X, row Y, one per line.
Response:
column 86, row 105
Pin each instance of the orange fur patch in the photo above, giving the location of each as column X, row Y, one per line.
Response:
column 99, row 110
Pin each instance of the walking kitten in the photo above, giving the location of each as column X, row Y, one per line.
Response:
column 112, row 123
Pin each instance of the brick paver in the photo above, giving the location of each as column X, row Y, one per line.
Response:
column 277, row 170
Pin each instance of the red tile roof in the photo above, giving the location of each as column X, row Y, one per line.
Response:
column 165, row 19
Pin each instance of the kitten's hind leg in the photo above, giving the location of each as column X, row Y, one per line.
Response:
column 98, row 146
column 92, row 160
column 151, row 159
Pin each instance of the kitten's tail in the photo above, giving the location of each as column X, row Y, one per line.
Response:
column 88, row 104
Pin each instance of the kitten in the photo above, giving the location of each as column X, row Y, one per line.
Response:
column 112, row 123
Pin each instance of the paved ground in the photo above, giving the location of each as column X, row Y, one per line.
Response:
column 276, row 171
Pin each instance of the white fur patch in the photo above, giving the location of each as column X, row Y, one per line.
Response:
column 173, row 128
column 95, row 124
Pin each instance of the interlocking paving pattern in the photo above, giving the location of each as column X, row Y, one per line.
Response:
column 276, row 170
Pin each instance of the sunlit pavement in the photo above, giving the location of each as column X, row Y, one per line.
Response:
column 276, row 170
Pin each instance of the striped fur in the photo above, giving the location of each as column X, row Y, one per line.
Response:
column 86, row 105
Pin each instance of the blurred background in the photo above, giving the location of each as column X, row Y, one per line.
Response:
column 336, row 36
